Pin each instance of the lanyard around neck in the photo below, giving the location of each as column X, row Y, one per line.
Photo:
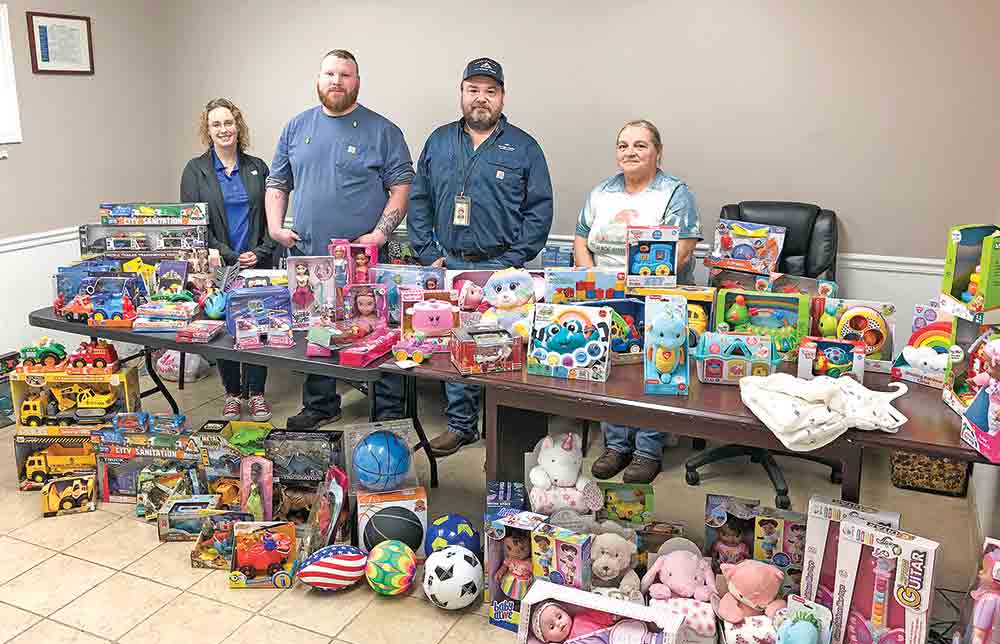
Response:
column 460, row 151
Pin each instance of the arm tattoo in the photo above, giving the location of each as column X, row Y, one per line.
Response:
column 390, row 219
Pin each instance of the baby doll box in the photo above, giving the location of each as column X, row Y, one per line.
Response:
column 504, row 611
column 967, row 359
column 975, row 427
column 745, row 246
column 823, row 538
column 657, row 620
column 884, row 584
column 561, row 556
column 970, row 287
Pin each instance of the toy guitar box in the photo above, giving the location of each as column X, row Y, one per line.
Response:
column 571, row 342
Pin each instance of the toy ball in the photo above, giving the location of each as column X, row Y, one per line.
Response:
column 391, row 566
column 453, row 578
column 333, row 568
column 394, row 523
column 381, row 461
column 451, row 530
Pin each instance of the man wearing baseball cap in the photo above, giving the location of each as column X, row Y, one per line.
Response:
column 481, row 200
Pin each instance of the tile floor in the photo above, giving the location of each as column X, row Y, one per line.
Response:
column 104, row 576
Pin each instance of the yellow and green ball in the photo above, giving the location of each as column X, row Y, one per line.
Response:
column 391, row 566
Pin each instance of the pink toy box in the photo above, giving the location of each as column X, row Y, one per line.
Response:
column 561, row 556
column 823, row 539
column 429, row 314
column 975, row 427
column 313, row 287
column 884, row 585
column 924, row 359
column 361, row 259
column 831, row 357
column 729, row 529
column 508, row 566
column 367, row 302
column 780, row 540
column 596, row 618
column 370, row 348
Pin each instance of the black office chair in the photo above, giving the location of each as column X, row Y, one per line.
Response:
column 810, row 250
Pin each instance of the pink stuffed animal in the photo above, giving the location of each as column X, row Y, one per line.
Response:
column 681, row 573
column 752, row 590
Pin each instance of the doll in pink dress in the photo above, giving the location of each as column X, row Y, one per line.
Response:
column 514, row 574
column 552, row 624
column 986, row 609
column 990, row 379
column 361, row 262
column 303, row 296
column 729, row 546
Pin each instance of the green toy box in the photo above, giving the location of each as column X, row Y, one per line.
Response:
column 971, row 285
column 782, row 316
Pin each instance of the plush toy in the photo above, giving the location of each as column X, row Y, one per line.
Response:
column 612, row 563
column 752, row 590
column 680, row 573
column 800, row 628
column 511, row 295
column 556, row 480
column 470, row 296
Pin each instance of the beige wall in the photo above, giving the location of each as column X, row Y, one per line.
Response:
column 883, row 111
column 87, row 138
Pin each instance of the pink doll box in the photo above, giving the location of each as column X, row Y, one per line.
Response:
column 729, row 529
column 375, row 309
column 823, row 538
column 561, row 556
column 429, row 314
column 637, row 623
column 982, row 619
column 361, row 259
column 975, row 426
column 780, row 540
column 885, row 585
column 369, row 349
column 312, row 285
column 504, row 594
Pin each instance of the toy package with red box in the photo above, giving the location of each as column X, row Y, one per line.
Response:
column 823, row 539
column 884, row 584
column 745, row 246
column 488, row 349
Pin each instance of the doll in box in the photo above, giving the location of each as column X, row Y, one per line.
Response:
column 985, row 618
column 361, row 265
column 302, row 296
column 990, row 379
column 514, row 573
column 552, row 623
column 340, row 266
column 730, row 546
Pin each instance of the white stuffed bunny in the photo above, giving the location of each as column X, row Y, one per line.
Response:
column 556, row 480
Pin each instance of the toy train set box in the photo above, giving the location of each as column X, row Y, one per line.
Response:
column 651, row 256
column 65, row 400
column 570, row 285
column 971, row 285
column 571, row 342
column 45, row 453
column 745, row 246
column 871, row 323
column 784, row 317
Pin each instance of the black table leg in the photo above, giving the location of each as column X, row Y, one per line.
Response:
column 850, row 485
column 410, row 411
column 160, row 387
column 180, row 376
column 370, row 393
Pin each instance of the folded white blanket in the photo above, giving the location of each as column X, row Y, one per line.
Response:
column 808, row 414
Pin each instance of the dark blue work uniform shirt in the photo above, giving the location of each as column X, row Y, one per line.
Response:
column 237, row 203
column 508, row 185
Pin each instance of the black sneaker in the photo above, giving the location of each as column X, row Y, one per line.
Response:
column 307, row 420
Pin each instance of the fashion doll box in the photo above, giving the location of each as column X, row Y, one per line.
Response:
column 823, row 539
column 651, row 256
column 314, row 291
column 729, row 529
column 975, row 427
column 924, row 359
column 571, row 342
column 398, row 277
column 571, row 285
column 970, row 288
column 884, row 584
column 666, row 368
column 745, row 246
column 561, row 556
column 505, row 610
column 401, row 514
column 871, row 323
column 638, row 623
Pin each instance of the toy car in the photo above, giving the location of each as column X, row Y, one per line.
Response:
column 43, row 352
column 97, row 354
column 137, row 421
column 267, row 555
column 652, row 259
column 625, row 336
column 167, row 423
column 416, row 349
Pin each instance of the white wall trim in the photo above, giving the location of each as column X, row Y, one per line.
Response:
column 34, row 240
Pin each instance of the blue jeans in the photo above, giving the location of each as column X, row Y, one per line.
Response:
column 240, row 379
column 462, row 408
column 625, row 440
column 319, row 395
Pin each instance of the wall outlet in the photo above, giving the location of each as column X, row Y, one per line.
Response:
column 3, row 155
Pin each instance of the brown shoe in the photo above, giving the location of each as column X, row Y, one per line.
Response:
column 609, row 464
column 641, row 470
column 447, row 443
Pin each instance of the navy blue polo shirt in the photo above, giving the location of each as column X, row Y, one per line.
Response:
column 237, row 203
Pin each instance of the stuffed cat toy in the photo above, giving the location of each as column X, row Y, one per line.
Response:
column 511, row 296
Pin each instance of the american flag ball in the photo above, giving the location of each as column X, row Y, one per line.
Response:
column 333, row 568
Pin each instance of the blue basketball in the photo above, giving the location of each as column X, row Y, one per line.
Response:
column 381, row 461
column 451, row 530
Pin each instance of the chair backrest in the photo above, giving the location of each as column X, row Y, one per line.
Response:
column 810, row 248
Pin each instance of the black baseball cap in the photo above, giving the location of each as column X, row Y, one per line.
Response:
column 484, row 67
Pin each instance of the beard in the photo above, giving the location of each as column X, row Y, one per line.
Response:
column 337, row 104
column 480, row 119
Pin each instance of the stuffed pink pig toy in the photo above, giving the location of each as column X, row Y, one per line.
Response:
column 752, row 590
column 680, row 573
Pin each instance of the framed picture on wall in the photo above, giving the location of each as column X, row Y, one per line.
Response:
column 60, row 44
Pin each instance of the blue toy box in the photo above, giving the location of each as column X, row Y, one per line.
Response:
column 651, row 256
column 398, row 276
column 665, row 368
column 628, row 320
column 569, row 285
column 260, row 316
column 557, row 255
column 571, row 342
column 724, row 358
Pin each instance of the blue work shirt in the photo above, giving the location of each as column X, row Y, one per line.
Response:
column 340, row 169
column 508, row 185
column 237, row 204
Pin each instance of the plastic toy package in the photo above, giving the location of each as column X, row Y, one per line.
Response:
column 156, row 485
column 119, row 465
column 397, row 277
column 486, row 350
column 970, row 288
column 924, row 359
column 628, row 324
column 561, row 556
column 213, row 546
column 55, row 398
column 783, row 317
column 314, row 290
column 873, row 324
column 508, row 566
column 167, row 242
column 729, row 529
column 379, row 456
column 257, row 317
column 429, row 315
column 44, row 453
column 360, row 258
column 627, row 502
column 967, row 362
column 370, row 348
column 303, row 457
column 572, row 285
column 831, row 357
column 571, row 342
column 156, row 214
column 747, row 247
column 264, row 555
column 69, row 495
column 723, row 358
column 666, row 369
column 367, row 303
column 651, row 256
column 109, row 299
column 257, row 487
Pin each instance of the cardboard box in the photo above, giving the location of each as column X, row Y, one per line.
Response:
column 869, row 322
column 213, row 547
column 722, row 358
column 627, row 502
column 780, row 540
column 666, row 367
column 573, row 285
column 118, row 466
column 970, row 287
column 571, row 342
column 69, row 495
column 398, row 515
column 43, row 453
column 398, row 277
column 822, row 537
column 561, row 556
column 73, row 400
column 489, row 349
column 303, row 457
column 264, row 555
column 729, row 528
column 651, row 256
column 174, row 241
column 131, row 214
column 924, row 359
column 976, row 430
column 628, row 323
column 700, row 305
column 782, row 316
column 505, row 610
column 830, row 357
column 966, row 361
column 181, row 518
column 745, row 246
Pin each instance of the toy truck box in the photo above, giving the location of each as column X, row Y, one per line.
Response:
column 69, row 495
column 69, row 400
column 157, row 214
column 119, row 465
column 44, row 453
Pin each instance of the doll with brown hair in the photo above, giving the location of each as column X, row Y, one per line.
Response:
column 364, row 306
column 552, row 623
column 729, row 546
column 567, row 563
column 514, row 573
column 303, row 296
column 985, row 622
column 361, row 261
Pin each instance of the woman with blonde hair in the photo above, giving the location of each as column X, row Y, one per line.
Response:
column 640, row 194
column 231, row 182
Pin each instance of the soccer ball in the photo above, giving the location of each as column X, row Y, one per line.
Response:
column 453, row 577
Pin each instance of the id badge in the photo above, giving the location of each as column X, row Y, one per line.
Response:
column 463, row 210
